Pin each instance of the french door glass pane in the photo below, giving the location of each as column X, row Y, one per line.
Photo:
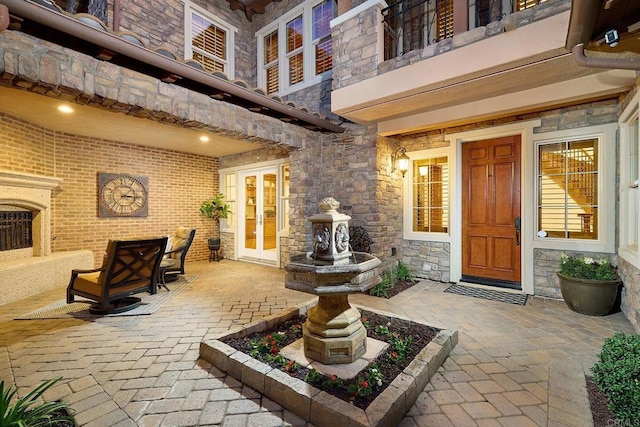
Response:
column 269, row 211
column 250, row 212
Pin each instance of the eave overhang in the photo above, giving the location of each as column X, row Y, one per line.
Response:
column 59, row 28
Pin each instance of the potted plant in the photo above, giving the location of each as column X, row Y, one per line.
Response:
column 215, row 209
column 588, row 286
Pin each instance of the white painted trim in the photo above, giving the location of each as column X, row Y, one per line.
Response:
column 525, row 130
column 606, row 135
column 407, row 211
column 628, row 252
column 237, row 170
column 352, row 13
column 310, row 77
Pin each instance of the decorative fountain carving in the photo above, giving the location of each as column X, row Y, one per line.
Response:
column 333, row 332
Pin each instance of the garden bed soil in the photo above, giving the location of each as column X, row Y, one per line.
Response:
column 602, row 416
column 399, row 286
column 422, row 335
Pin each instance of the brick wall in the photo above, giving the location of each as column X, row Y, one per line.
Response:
column 178, row 183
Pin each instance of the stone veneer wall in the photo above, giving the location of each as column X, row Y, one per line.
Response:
column 356, row 52
column 353, row 169
column 161, row 24
column 630, row 302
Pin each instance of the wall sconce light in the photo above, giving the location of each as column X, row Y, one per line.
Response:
column 400, row 161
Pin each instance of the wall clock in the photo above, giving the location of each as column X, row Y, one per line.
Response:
column 122, row 195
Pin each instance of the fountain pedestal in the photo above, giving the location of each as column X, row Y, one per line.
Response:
column 333, row 332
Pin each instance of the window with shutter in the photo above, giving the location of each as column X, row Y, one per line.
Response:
column 209, row 41
column 271, row 62
column 295, row 54
column 296, row 51
column 322, row 16
column 445, row 19
column 526, row 4
column 431, row 195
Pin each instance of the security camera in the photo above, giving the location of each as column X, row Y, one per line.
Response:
column 612, row 38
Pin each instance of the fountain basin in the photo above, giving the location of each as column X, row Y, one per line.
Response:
column 319, row 277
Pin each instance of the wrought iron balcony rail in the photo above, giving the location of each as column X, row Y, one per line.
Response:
column 415, row 24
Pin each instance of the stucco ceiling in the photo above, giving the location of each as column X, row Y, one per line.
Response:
column 98, row 123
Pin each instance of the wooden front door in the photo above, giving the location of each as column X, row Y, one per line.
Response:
column 491, row 211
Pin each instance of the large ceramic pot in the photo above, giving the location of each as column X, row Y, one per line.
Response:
column 591, row 297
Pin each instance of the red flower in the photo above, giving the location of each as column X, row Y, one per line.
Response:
column 275, row 350
column 333, row 377
column 364, row 384
column 394, row 355
column 269, row 337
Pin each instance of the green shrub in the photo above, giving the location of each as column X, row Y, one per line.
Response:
column 403, row 272
column 617, row 374
column 388, row 282
column 29, row 411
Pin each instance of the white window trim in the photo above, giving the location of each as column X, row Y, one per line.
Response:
column 231, row 198
column 229, row 63
column 606, row 135
column 310, row 77
column 407, row 212
column 629, row 253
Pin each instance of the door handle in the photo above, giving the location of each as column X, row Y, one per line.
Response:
column 518, row 226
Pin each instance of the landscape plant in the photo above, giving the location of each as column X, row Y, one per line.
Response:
column 389, row 279
column 587, row 267
column 31, row 410
column 617, row 375
column 405, row 340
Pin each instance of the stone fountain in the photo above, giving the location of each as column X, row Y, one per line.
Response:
column 333, row 332
column 333, row 335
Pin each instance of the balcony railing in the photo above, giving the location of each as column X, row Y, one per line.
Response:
column 415, row 24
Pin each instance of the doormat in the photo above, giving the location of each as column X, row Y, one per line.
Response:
column 80, row 308
column 509, row 297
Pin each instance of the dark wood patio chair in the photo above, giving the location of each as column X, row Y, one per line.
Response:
column 130, row 267
column 173, row 262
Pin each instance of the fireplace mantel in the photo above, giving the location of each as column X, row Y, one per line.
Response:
column 32, row 192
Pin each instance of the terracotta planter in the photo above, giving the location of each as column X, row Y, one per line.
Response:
column 591, row 297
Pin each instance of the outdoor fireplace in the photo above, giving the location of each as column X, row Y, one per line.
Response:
column 27, row 195
column 27, row 265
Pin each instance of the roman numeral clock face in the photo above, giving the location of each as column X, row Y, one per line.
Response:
column 122, row 195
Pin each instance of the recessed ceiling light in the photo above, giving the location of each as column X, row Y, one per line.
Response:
column 204, row 138
column 65, row 109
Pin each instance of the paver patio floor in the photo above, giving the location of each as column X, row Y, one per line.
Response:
column 513, row 366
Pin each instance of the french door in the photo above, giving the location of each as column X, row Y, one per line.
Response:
column 257, row 212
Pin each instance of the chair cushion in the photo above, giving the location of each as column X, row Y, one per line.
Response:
column 180, row 239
